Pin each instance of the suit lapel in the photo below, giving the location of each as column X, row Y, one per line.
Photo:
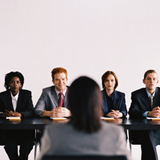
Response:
column 54, row 96
column 104, row 102
column 20, row 100
column 156, row 98
column 8, row 101
column 146, row 100
column 116, row 101
column 66, row 98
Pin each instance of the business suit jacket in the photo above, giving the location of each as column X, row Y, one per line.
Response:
column 118, row 102
column 141, row 102
column 148, row 139
column 24, row 103
column 49, row 100
column 64, row 139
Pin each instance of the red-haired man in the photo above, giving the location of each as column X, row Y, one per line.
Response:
column 53, row 101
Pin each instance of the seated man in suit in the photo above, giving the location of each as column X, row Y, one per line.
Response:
column 54, row 102
column 146, row 102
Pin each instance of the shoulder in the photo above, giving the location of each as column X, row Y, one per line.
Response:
column 103, row 92
column 139, row 91
column 119, row 93
column 158, row 89
column 4, row 92
column 48, row 89
column 24, row 91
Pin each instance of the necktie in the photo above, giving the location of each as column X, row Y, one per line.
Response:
column 60, row 100
column 151, row 101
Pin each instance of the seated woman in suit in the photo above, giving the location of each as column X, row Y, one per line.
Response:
column 16, row 102
column 113, row 104
column 85, row 133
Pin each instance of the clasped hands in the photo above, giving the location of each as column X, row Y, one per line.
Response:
column 60, row 112
column 155, row 112
column 115, row 114
column 7, row 113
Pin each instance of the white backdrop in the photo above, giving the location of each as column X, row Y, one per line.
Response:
column 87, row 37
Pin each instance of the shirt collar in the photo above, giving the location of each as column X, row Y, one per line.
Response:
column 64, row 92
column 112, row 95
column 149, row 95
column 15, row 97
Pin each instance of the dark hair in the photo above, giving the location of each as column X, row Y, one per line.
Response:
column 85, row 104
column 59, row 70
column 10, row 75
column 149, row 71
column 105, row 75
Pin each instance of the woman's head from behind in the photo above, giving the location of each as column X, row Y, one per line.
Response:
column 14, row 81
column 85, row 104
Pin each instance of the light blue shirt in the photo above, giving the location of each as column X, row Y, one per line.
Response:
column 149, row 95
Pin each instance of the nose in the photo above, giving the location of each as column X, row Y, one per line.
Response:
column 60, row 81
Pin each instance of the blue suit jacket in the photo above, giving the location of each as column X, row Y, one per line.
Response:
column 118, row 102
column 141, row 103
column 49, row 100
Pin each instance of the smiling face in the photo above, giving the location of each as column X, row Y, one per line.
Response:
column 60, row 81
column 151, row 82
column 110, row 83
column 15, row 85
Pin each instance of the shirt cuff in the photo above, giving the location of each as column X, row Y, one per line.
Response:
column 145, row 114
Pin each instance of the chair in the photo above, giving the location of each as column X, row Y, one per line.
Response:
column 83, row 157
column 133, row 140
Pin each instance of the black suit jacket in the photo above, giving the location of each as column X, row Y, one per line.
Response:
column 24, row 103
column 141, row 102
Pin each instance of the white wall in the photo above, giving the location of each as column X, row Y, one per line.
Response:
column 87, row 37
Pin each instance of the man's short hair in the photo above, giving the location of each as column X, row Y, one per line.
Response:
column 59, row 70
column 149, row 71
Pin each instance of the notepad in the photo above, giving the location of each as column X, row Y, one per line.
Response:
column 14, row 118
column 58, row 119
column 107, row 118
column 153, row 119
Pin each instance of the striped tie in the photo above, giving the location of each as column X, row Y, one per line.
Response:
column 151, row 101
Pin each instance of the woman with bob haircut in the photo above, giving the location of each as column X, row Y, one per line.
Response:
column 16, row 102
column 113, row 104
column 85, row 133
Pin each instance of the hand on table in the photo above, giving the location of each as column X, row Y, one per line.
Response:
column 115, row 114
column 155, row 112
column 11, row 114
column 60, row 112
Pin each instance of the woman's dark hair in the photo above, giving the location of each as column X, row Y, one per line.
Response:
column 85, row 104
column 10, row 75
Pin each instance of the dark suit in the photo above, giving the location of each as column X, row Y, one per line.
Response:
column 118, row 102
column 148, row 139
column 11, row 138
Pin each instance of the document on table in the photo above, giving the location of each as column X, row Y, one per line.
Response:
column 153, row 119
column 14, row 118
column 58, row 119
column 107, row 118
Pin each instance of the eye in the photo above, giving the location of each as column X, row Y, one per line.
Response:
column 12, row 82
